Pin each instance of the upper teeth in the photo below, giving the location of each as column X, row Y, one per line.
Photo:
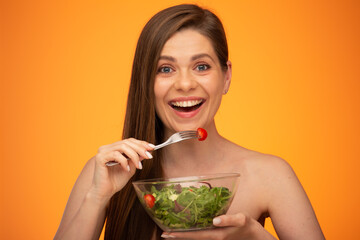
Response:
column 186, row 103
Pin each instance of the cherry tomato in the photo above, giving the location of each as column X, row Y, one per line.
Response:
column 149, row 200
column 201, row 134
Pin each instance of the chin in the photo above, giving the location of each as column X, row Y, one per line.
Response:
column 185, row 127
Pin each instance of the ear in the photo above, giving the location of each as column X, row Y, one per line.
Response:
column 227, row 79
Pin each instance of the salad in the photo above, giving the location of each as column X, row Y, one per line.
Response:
column 178, row 207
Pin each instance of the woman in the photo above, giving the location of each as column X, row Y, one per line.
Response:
column 180, row 72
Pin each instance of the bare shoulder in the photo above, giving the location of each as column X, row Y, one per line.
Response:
column 273, row 180
column 269, row 165
column 269, row 173
column 266, row 165
column 274, row 173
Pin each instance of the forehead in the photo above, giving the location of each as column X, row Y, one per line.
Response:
column 187, row 42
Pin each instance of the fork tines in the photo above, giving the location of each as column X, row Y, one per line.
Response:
column 188, row 134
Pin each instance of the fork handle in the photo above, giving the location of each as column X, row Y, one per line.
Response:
column 161, row 145
column 113, row 163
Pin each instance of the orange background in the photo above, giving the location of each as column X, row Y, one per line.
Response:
column 65, row 69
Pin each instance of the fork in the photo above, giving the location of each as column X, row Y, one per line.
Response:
column 176, row 137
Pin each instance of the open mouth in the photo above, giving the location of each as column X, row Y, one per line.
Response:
column 186, row 106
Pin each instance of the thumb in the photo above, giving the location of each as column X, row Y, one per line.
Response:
column 236, row 220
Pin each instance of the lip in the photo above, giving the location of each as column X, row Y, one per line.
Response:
column 187, row 114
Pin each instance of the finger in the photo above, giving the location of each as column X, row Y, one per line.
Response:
column 114, row 156
column 236, row 220
column 119, row 169
column 208, row 234
column 138, row 148
column 130, row 151
column 145, row 144
column 132, row 156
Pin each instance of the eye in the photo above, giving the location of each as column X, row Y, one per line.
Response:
column 203, row 67
column 165, row 69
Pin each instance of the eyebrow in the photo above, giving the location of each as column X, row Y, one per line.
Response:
column 167, row 58
column 201, row 55
column 195, row 57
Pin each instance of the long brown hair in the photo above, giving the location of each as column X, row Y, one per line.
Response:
column 126, row 219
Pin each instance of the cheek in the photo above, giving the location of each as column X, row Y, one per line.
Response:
column 160, row 92
column 214, row 86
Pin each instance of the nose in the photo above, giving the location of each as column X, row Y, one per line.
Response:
column 185, row 82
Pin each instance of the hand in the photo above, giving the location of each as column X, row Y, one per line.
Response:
column 236, row 227
column 109, row 180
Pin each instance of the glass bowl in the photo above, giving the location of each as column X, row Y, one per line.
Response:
column 187, row 203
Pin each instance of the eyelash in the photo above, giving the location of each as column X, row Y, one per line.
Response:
column 160, row 70
column 206, row 66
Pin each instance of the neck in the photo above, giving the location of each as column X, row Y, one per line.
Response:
column 193, row 157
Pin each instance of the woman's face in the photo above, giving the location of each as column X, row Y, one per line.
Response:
column 189, row 82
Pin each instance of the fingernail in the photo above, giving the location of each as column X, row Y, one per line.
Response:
column 140, row 165
column 166, row 236
column 216, row 221
column 151, row 145
column 128, row 168
column 148, row 154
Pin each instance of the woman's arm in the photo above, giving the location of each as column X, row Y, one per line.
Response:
column 289, row 207
column 84, row 214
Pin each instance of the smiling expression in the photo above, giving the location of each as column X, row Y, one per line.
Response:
column 189, row 82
